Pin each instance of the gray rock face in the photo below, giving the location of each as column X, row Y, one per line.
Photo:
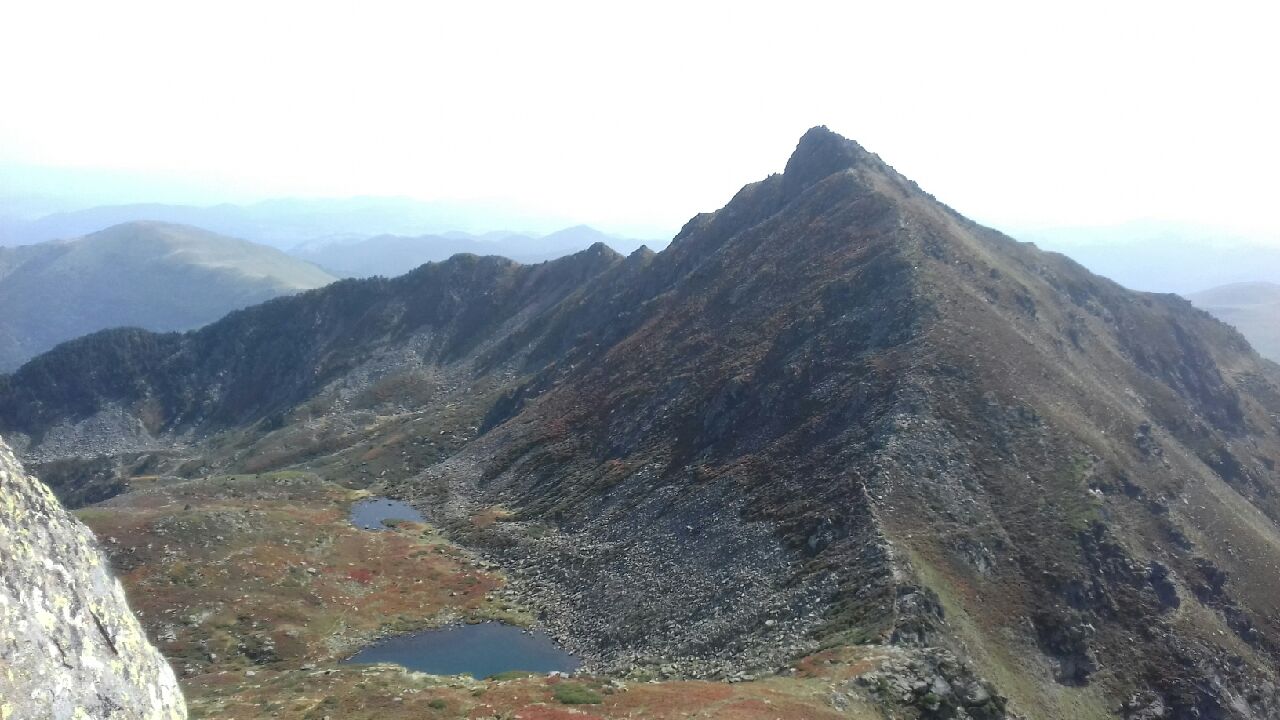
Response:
column 69, row 645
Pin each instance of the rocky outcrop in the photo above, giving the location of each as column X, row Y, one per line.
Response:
column 933, row 684
column 69, row 645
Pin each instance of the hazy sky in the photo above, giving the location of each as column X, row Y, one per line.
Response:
column 641, row 115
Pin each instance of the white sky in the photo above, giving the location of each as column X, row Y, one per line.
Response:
column 644, row 114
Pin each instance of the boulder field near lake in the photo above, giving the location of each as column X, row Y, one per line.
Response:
column 837, row 451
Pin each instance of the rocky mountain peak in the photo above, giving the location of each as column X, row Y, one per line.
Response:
column 819, row 154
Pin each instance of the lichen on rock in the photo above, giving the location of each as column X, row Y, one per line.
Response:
column 69, row 645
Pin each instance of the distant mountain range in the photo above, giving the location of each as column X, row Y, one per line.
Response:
column 392, row 255
column 1252, row 307
column 151, row 275
column 1160, row 257
column 289, row 223
column 365, row 236
column 164, row 276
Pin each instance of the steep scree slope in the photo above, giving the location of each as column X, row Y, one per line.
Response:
column 956, row 439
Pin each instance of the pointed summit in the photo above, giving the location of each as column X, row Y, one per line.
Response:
column 819, row 154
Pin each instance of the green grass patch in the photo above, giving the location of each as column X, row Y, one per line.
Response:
column 577, row 694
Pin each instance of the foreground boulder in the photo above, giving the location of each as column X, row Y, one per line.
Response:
column 69, row 646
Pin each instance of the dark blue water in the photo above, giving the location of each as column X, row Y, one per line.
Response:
column 370, row 512
column 476, row 650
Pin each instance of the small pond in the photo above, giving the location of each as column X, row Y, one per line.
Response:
column 371, row 513
column 477, row 650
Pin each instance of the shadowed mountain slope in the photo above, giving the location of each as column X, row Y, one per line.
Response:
column 267, row 359
column 833, row 412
